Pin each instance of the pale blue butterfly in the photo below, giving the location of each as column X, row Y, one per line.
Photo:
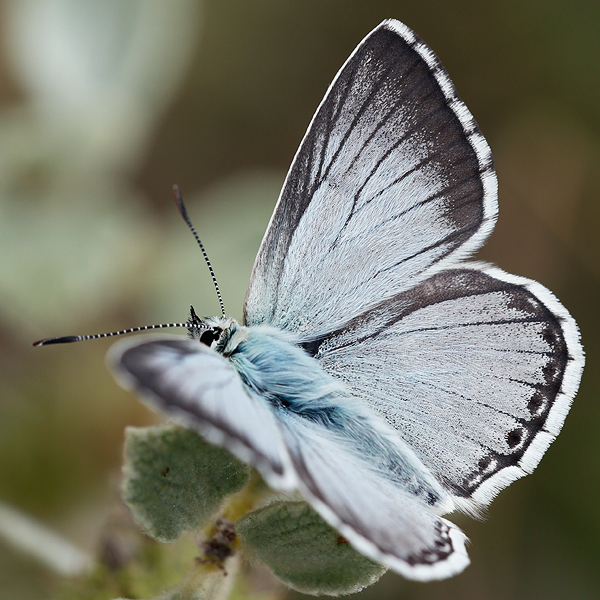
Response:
column 376, row 373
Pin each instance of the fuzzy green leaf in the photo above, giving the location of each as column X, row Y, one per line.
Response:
column 304, row 552
column 174, row 481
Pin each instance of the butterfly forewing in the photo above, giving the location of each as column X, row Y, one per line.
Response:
column 391, row 181
column 475, row 368
column 199, row 388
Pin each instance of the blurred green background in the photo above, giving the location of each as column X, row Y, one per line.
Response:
column 105, row 104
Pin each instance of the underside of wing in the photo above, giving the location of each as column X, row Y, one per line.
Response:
column 392, row 181
column 197, row 387
column 475, row 368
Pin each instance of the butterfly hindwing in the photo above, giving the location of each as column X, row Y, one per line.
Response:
column 380, row 502
column 475, row 368
column 392, row 181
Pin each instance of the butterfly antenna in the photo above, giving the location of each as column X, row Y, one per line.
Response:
column 186, row 218
column 80, row 338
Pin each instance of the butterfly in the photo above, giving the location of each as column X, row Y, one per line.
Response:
column 376, row 372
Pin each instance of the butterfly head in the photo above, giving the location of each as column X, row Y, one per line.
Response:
column 214, row 332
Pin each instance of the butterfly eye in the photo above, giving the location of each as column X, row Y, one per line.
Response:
column 210, row 336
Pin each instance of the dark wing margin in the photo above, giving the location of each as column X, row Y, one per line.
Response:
column 392, row 181
column 475, row 368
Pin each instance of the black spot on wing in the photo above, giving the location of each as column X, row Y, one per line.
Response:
column 536, row 403
column 442, row 548
column 514, row 438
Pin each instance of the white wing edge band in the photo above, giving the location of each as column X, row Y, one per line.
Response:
column 556, row 417
column 476, row 139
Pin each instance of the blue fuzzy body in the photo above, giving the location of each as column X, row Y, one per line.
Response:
column 279, row 371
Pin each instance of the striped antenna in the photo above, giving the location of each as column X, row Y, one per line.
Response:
column 186, row 218
column 194, row 324
column 80, row 338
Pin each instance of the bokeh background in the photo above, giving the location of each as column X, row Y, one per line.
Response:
column 105, row 104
